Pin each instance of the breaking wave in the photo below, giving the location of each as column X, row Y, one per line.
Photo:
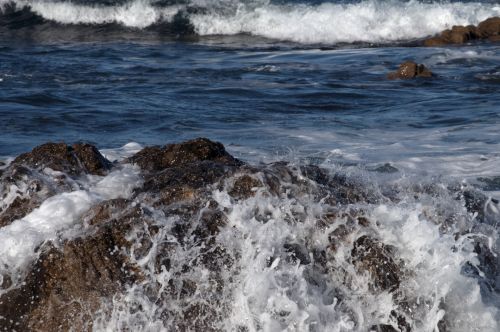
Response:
column 365, row 21
column 177, row 244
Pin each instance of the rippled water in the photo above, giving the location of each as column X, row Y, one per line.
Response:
column 261, row 99
column 301, row 81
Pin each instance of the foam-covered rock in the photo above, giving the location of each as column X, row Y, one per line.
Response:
column 175, row 249
column 30, row 179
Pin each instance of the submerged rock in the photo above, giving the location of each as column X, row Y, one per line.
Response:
column 410, row 69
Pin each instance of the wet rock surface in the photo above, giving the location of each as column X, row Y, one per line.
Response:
column 488, row 29
column 75, row 159
column 175, row 155
column 48, row 169
column 68, row 282
column 177, row 244
column 408, row 70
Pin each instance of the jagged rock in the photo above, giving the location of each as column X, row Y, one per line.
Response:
column 487, row 29
column 76, row 159
column 175, row 227
column 410, row 69
column 26, row 175
column 456, row 35
column 175, row 155
column 68, row 284
column 374, row 257
column 243, row 187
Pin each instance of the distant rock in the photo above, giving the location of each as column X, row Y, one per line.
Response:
column 487, row 29
column 408, row 70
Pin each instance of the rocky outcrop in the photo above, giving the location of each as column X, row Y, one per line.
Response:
column 408, row 70
column 167, row 245
column 488, row 29
column 75, row 159
column 373, row 257
column 27, row 181
column 176, row 155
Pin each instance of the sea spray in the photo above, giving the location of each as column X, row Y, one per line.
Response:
column 372, row 21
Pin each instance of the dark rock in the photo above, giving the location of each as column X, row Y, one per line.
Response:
column 487, row 29
column 32, row 189
column 243, row 187
column 410, row 69
column 172, row 223
column 73, row 160
column 374, row 257
column 26, row 171
column 494, row 39
column 456, row 35
column 298, row 253
column 383, row 328
column 175, row 155
column 210, row 223
column 91, row 159
column 19, row 208
column 68, row 284
column 386, row 168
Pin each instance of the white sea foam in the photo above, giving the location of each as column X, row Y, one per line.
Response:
column 366, row 21
column 19, row 240
column 268, row 293
column 432, row 257
column 122, row 153
column 138, row 13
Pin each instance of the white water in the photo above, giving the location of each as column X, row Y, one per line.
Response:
column 57, row 215
column 266, row 292
column 367, row 21
column 263, row 290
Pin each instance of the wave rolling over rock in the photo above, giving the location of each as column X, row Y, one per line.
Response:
column 186, row 237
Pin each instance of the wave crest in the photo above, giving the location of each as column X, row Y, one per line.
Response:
column 326, row 23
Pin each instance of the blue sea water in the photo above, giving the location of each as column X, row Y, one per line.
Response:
column 303, row 81
column 266, row 78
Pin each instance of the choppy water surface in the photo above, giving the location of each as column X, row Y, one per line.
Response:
column 302, row 81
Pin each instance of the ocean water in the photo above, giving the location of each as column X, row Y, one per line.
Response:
column 300, row 81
